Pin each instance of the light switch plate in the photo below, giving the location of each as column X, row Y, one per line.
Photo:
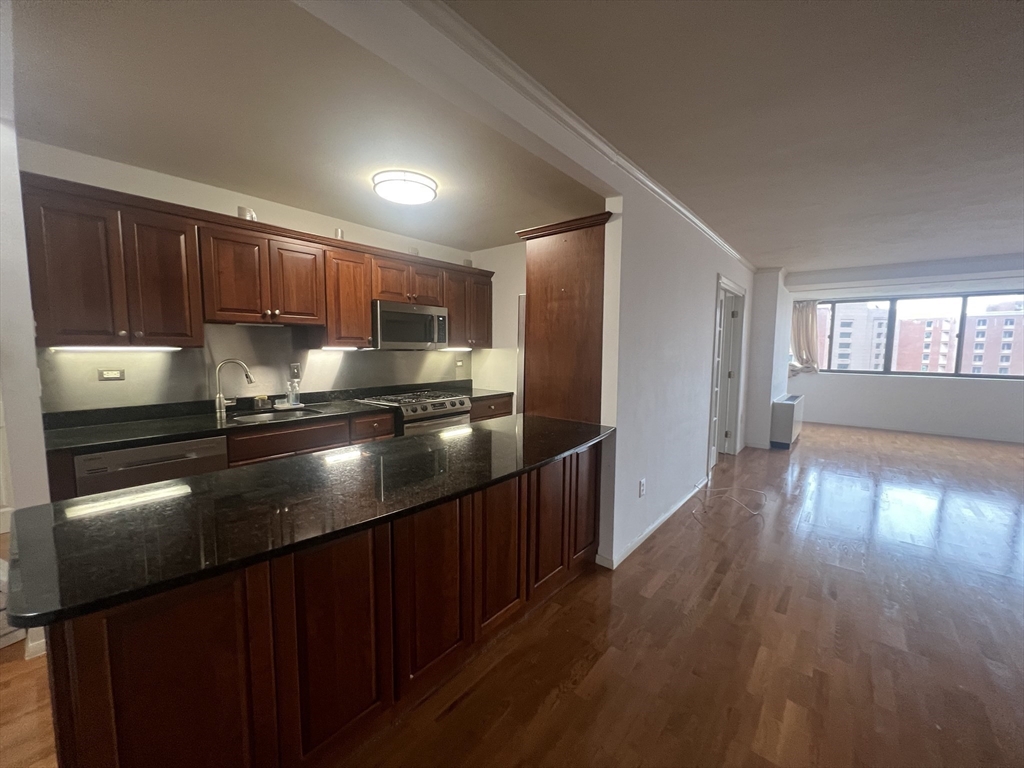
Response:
column 110, row 374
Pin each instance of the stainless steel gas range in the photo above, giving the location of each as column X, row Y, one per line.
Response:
column 425, row 411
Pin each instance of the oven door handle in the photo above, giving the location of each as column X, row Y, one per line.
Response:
column 433, row 425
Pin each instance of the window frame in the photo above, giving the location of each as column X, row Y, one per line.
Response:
column 890, row 334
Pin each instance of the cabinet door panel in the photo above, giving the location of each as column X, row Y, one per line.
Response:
column 332, row 613
column 585, row 503
column 433, row 595
column 76, row 267
column 427, row 285
column 297, row 283
column 479, row 313
column 456, row 299
column 162, row 267
column 183, row 678
column 499, row 531
column 391, row 280
column 236, row 276
column 349, row 295
column 549, row 529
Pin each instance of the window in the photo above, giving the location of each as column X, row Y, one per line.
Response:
column 1004, row 310
column 903, row 332
column 854, row 352
column 912, row 317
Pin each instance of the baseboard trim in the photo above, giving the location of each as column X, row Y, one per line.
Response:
column 35, row 646
column 616, row 562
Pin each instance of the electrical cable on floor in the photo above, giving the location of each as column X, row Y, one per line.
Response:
column 706, row 507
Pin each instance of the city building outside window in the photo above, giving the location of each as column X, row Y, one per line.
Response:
column 905, row 346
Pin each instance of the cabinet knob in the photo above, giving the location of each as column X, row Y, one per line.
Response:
column 415, row 295
column 408, row 295
column 266, row 313
column 122, row 333
column 139, row 334
column 277, row 313
column 375, row 425
column 491, row 407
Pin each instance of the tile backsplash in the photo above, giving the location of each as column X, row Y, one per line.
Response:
column 70, row 380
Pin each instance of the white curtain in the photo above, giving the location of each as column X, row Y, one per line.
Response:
column 805, row 338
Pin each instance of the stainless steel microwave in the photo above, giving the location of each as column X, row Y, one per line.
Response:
column 409, row 326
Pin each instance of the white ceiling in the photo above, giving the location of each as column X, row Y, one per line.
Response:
column 262, row 98
column 809, row 135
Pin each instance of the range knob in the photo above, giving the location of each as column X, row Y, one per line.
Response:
column 462, row 402
column 452, row 403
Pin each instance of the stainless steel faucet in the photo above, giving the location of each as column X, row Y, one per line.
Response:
column 221, row 401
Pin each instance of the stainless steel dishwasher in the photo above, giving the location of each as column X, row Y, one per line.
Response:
column 111, row 470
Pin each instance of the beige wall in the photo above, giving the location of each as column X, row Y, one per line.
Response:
column 86, row 169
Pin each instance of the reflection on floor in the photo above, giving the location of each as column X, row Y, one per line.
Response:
column 874, row 615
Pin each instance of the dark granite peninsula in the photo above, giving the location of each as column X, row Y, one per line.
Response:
column 268, row 615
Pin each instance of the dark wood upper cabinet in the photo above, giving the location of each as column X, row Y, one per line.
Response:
column 549, row 495
column 76, row 268
column 349, row 294
column 499, row 556
column 333, row 642
column 392, row 280
column 161, row 253
column 182, row 678
column 479, row 312
column 586, row 493
column 564, row 318
column 297, row 284
column 236, row 275
column 433, row 595
column 427, row 285
column 456, row 299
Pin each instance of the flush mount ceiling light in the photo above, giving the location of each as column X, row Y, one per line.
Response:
column 405, row 187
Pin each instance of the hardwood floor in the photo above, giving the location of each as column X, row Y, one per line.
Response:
column 872, row 616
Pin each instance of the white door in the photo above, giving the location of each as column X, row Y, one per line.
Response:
column 728, row 402
column 716, row 382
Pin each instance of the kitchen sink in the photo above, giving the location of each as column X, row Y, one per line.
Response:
column 262, row 418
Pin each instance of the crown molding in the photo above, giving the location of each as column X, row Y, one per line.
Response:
column 584, row 222
column 446, row 21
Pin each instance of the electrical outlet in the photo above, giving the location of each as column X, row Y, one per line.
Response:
column 643, row 486
column 110, row 374
column 458, row 363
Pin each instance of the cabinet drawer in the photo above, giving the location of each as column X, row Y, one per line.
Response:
column 490, row 407
column 253, row 445
column 373, row 425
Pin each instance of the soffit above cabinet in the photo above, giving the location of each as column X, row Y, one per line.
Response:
column 167, row 86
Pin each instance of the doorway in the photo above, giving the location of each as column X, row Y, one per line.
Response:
column 723, row 431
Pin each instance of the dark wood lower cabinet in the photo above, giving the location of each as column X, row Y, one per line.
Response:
column 332, row 635
column 433, row 595
column 585, row 504
column 548, row 504
column 182, row 678
column 499, row 555
column 288, row 662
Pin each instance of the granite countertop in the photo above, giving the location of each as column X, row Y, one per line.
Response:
column 82, row 555
column 129, row 434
